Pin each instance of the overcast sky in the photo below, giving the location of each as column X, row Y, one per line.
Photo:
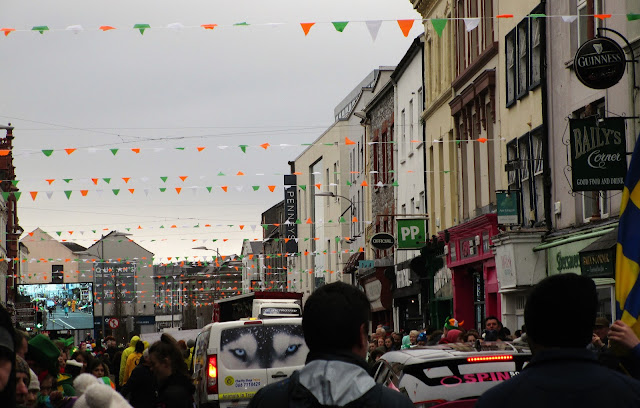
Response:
column 168, row 89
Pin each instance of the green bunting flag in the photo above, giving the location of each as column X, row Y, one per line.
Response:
column 47, row 152
column 163, row 189
column 5, row 196
column 116, row 191
column 67, row 180
column 537, row 15
column 40, row 29
column 298, row 221
column 255, row 188
column 17, row 194
column 164, row 179
column 15, row 182
column 303, row 187
column 107, row 180
column 632, row 17
column 59, row 233
column 142, row 27
column 221, row 174
column 114, row 151
column 340, row 25
column 341, row 220
column 243, row 148
column 209, row 189
column 439, row 24
column 68, row 194
column 179, row 148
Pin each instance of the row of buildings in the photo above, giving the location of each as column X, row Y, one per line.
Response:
column 472, row 149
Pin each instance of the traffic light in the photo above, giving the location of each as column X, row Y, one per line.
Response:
column 39, row 319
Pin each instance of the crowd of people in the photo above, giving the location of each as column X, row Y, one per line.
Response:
column 40, row 372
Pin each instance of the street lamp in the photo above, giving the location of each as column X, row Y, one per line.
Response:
column 332, row 194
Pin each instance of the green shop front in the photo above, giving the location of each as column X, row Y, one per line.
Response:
column 589, row 253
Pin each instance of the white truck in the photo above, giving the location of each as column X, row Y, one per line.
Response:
column 260, row 305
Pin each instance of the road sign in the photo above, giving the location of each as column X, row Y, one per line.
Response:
column 114, row 323
column 412, row 233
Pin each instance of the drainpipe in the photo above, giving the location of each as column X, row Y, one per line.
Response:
column 545, row 130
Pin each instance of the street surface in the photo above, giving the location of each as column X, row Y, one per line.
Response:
column 75, row 320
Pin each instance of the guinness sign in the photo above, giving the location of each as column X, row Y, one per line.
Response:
column 599, row 63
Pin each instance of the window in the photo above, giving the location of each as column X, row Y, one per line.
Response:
column 403, row 125
column 583, row 22
column 523, row 57
column 587, row 23
column 510, row 50
column 535, row 74
column 57, row 274
column 411, row 126
column 595, row 205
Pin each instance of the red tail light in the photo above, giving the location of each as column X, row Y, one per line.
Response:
column 485, row 359
column 430, row 403
column 212, row 374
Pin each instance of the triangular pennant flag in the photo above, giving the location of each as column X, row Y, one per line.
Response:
column 5, row 196
column 200, row 148
column 348, row 141
column 107, row 180
column 309, row 221
column 164, row 179
column 438, row 24
column 340, row 25
column 95, row 181
column 364, row 183
column 146, row 191
column 69, row 151
column 68, row 194
column 569, row 19
column 298, row 221
column 240, row 174
column 59, row 233
column 50, row 194
column 209, row 189
column 163, row 189
column 6, row 31
column 84, row 192
column 318, row 186
column 47, row 152
column 208, row 26
column 142, row 27
column 602, row 16
column 243, row 148
column 116, row 191
column 114, row 151
column 255, row 188
column 183, row 178
column 265, row 146
column 405, row 26
column 33, row 195
column 131, row 190
column 355, row 219
column 374, row 27
column 341, row 220
column 178, row 190
column 225, row 188
column 175, row 26
column 271, row 188
column 630, row 17
column 244, row 23
column 470, row 23
column 504, row 16
column 40, row 29
column 136, row 150
column 67, row 180
column 107, row 28
column 306, row 27
column 303, row 187
column 126, row 180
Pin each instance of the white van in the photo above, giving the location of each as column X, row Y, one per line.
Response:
column 233, row 360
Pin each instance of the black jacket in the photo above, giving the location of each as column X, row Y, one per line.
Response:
column 564, row 378
column 338, row 380
column 176, row 391
column 140, row 389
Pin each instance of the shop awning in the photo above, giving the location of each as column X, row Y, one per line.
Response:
column 352, row 264
column 598, row 259
column 574, row 237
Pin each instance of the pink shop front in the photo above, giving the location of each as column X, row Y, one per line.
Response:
column 473, row 270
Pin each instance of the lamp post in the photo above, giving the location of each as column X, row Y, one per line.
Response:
column 332, row 194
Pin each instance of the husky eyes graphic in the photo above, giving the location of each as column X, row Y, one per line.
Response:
column 263, row 347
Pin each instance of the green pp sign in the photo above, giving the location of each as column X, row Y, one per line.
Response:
column 411, row 234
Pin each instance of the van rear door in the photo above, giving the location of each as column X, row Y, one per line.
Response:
column 289, row 349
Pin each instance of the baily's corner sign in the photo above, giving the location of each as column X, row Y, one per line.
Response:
column 598, row 154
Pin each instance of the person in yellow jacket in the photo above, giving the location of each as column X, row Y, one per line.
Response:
column 132, row 361
column 125, row 356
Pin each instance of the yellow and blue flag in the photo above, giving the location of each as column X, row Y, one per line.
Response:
column 628, row 247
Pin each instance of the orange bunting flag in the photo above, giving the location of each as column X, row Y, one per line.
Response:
column 225, row 188
column 6, row 31
column 69, row 151
column 309, row 221
column 355, row 219
column 306, row 27
column 265, row 146
column 364, row 183
column 286, row 240
column 107, row 28
column 136, row 150
column 126, row 179
column 318, row 186
column 4, row 152
column 405, row 26
column 241, row 227
column 33, row 195
column 183, row 178
column 84, row 192
column 272, row 188
column 209, row 26
column 200, row 148
column 95, row 181
column 178, row 190
column 139, row 227
column 602, row 16
column 174, row 226
column 348, row 141
column 297, row 173
column 250, row 256
column 240, row 174
column 131, row 190
column 504, row 16
column 482, row 139
column 50, row 181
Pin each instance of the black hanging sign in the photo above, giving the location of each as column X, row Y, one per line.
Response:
column 598, row 154
column 599, row 63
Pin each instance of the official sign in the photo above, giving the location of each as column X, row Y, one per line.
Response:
column 598, row 154
column 382, row 241
column 507, row 207
column 599, row 63
column 412, row 234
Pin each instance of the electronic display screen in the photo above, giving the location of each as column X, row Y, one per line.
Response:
column 63, row 306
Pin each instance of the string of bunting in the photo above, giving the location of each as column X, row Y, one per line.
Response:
column 243, row 147
column 373, row 26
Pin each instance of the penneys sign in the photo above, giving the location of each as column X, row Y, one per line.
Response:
column 599, row 63
column 598, row 154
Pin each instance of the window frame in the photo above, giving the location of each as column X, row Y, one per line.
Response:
column 520, row 93
column 511, row 36
column 535, row 82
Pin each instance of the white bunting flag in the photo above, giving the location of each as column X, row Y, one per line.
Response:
column 374, row 27
column 471, row 23
column 75, row 28
column 175, row 26
column 569, row 19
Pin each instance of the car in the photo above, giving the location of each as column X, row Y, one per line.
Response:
column 233, row 360
column 453, row 374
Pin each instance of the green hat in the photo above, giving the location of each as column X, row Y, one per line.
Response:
column 43, row 351
column 452, row 324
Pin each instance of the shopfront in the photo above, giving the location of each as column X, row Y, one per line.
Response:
column 407, row 297
column 591, row 253
column 377, row 288
column 473, row 269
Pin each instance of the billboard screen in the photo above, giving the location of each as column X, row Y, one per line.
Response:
column 62, row 306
